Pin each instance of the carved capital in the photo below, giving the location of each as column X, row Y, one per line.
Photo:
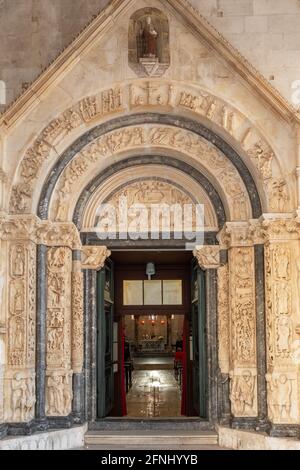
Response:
column 94, row 257
column 235, row 234
column 18, row 227
column 59, row 234
column 208, row 256
column 281, row 229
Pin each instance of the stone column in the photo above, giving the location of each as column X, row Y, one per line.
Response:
column 241, row 328
column 282, row 273
column 209, row 261
column 18, row 319
column 60, row 239
column 77, row 331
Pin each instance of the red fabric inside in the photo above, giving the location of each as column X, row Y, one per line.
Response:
column 184, row 369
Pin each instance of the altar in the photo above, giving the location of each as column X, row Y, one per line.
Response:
column 152, row 345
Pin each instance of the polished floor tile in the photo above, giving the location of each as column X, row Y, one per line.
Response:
column 154, row 394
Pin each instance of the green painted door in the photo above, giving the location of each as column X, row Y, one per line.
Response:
column 105, row 362
column 198, row 342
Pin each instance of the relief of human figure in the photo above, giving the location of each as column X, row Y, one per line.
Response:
column 55, row 395
column 19, row 389
column 279, row 397
column 242, row 392
column 67, row 394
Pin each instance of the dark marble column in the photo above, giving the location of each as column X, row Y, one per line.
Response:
column 78, row 377
column 41, row 338
column 212, row 343
column 90, row 348
column 261, row 337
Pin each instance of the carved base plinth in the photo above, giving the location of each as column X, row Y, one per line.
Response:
column 245, row 423
column 21, row 429
column 65, row 422
column 282, row 430
column 3, row 430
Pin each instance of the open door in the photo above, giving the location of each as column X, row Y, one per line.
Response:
column 105, row 341
column 198, row 342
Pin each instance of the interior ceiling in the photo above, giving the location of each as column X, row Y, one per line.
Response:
column 157, row 257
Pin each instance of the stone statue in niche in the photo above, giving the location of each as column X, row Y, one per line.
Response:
column 149, row 49
column 147, row 41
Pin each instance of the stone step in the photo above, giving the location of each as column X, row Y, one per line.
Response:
column 154, row 425
column 150, row 438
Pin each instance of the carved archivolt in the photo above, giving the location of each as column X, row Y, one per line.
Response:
column 156, row 95
column 59, row 269
column 214, row 162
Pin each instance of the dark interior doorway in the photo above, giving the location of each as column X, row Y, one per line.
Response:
column 151, row 359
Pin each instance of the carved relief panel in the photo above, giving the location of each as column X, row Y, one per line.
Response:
column 243, row 360
column 19, row 387
column 59, row 269
column 281, row 291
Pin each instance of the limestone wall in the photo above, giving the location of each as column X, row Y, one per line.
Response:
column 33, row 32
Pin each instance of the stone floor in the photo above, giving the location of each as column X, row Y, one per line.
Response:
column 154, row 394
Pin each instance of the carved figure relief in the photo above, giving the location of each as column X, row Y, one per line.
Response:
column 149, row 50
column 21, row 304
column 280, row 388
column 59, row 394
column 22, row 397
column 59, row 267
column 243, row 323
column 242, row 394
